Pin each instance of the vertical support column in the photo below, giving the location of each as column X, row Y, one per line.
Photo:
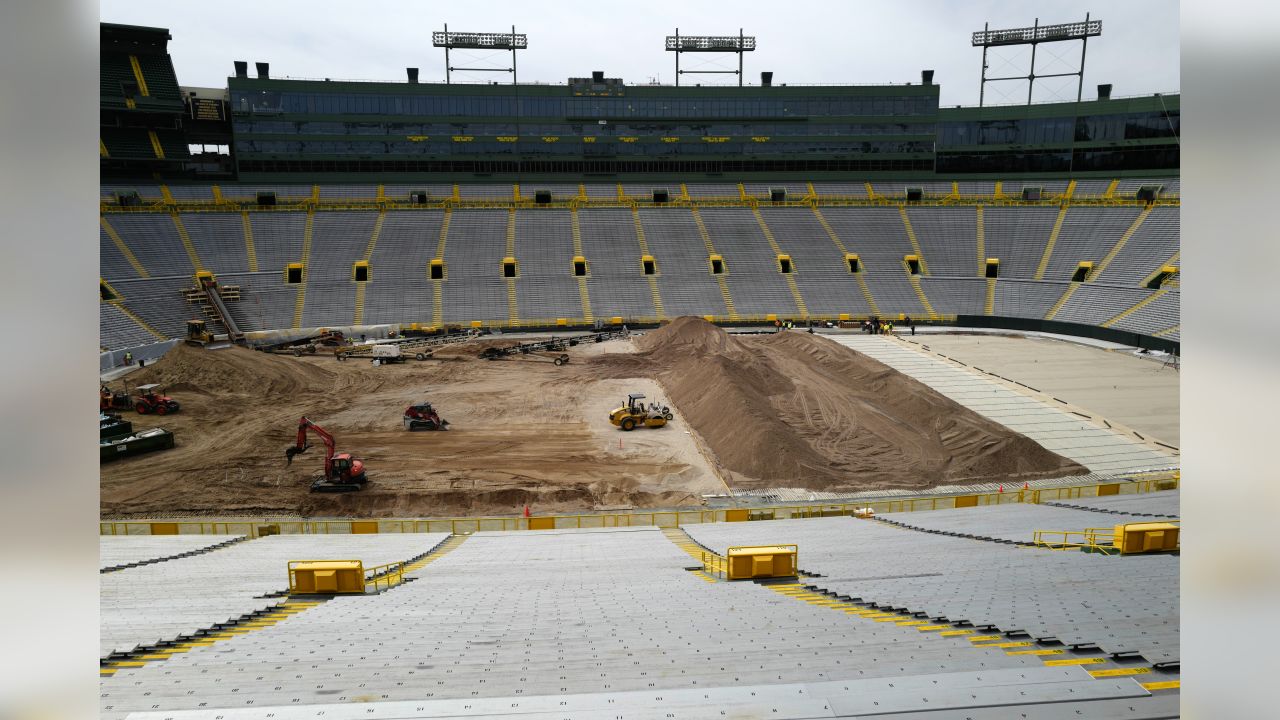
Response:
column 1084, row 45
column 1031, row 77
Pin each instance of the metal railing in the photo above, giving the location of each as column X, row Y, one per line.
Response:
column 384, row 577
column 257, row 527
column 715, row 565
column 228, row 205
column 1100, row 540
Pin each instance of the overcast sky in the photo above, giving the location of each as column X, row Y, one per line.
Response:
column 814, row 42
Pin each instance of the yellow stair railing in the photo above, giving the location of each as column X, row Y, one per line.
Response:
column 1135, row 308
column 584, row 296
column 186, row 242
column 249, row 251
column 513, row 304
column 301, row 300
column 123, row 247
column 711, row 250
column 644, row 252
column 777, row 250
column 1053, row 240
column 915, row 244
column 437, row 286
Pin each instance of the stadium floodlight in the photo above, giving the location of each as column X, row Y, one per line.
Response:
column 737, row 44
column 503, row 42
column 1038, row 33
column 711, row 43
column 480, row 41
column 987, row 38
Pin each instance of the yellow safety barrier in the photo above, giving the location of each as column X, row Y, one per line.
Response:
column 1109, row 541
column 342, row 576
column 384, row 577
column 256, row 527
column 762, row 561
column 715, row 565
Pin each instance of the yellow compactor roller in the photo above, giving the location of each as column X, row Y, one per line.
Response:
column 635, row 414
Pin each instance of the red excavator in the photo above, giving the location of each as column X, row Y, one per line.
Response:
column 342, row 473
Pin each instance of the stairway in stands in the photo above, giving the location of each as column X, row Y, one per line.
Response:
column 711, row 250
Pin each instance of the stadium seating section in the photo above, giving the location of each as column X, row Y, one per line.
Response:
column 610, row 622
column 149, row 257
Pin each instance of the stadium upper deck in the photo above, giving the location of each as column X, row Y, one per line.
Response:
column 602, row 129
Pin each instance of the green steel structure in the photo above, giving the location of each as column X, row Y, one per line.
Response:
column 605, row 130
column 602, row 129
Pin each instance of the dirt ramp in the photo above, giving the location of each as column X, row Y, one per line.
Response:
column 231, row 371
column 798, row 410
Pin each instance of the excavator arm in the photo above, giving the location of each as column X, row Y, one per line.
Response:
column 301, row 444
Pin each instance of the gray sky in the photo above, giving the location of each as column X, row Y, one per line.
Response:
column 862, row 42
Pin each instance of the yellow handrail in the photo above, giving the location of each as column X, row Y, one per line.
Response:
column 255, row 527
column 384, row 577
column 714, row 565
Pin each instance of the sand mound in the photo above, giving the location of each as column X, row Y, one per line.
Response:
column 232, row 371
column 798, row 410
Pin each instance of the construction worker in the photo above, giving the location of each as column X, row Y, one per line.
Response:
column 128, row 358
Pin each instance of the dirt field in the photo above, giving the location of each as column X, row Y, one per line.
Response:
column 788, row 410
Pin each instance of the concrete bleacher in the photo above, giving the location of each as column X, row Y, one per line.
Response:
column 117, row 330
column 158, row 602
column 1093, row 304
column 685, row 280
column 879, row 238
column 959, row 296
column 153, row 239
column 948, row 240
column 1160, row 505
column 475, row 288
column 1012, row 523
column 820, row 269
column 219, row 241
column 1087, row 234
column 1119, row 604
column 1161, row 313
column 1017, row 238
column 1026, row 298
column 545, row 290
column 337, row 241
column 1150, row 247
column 754, row 280
column 159, row 302
column 588, row 624
column 117, row 551
column 615, row 279
column 398, row 289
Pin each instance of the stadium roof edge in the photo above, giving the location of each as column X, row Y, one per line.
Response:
column 367, row 86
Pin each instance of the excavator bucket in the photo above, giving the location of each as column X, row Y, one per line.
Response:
column 292, row 450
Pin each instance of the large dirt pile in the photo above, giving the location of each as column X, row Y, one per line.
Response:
column 798, row 410
column 232, row 371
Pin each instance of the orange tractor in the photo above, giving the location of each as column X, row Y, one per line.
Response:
column 151, row 400
column 342, row 472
